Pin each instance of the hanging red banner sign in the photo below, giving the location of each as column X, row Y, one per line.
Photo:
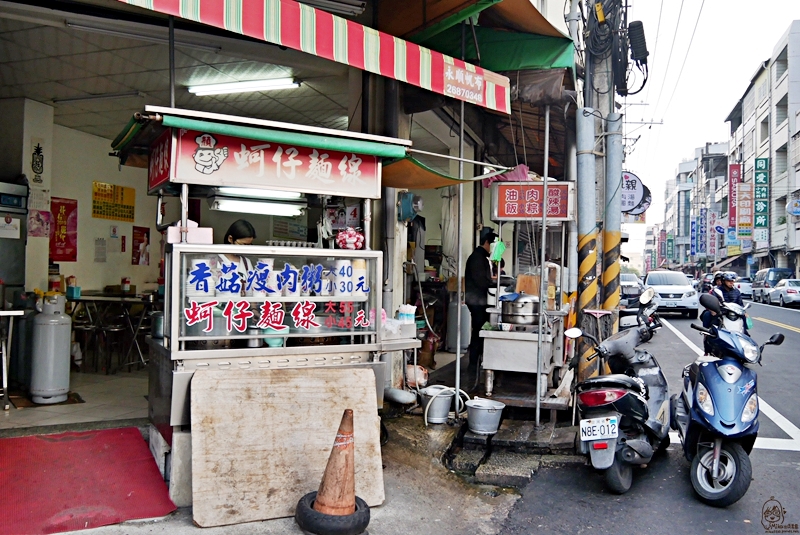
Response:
column 64, row 230
column 159, row 161
column 512, row 201
column 219, row 160
column 734, row 177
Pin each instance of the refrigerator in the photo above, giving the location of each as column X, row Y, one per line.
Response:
column 13, row 237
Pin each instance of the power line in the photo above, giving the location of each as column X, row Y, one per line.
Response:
column 655, row 48
column 677, row 82
column 669, row 58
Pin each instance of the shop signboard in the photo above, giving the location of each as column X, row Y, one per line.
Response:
column 159, row 160
column 761, row 201
column 219, row 160
column 670, row 247
column 632, row 191
column 662, row 246
column 515, row 201
column 693, row 238
column 712, row 234
column 734, row 177
column 702, row 232
column 744, row 214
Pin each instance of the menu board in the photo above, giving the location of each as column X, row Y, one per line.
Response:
column 113, row 202
column 515, row 201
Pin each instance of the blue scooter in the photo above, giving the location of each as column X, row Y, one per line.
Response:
column 716, row 414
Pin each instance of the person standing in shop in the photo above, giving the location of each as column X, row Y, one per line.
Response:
column 477, row 281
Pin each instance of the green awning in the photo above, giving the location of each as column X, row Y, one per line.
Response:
column 410, row 173
column 127, row 134
column 383, row 150
column 507, row 51
column 452, row 20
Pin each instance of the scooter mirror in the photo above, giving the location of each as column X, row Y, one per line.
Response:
column 710, row 303
column 647, row 296
column 776, row 339
column 573, row 333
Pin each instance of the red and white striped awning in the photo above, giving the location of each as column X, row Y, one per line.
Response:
column 304, row 28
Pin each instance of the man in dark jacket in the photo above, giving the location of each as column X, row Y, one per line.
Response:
column 477, row 281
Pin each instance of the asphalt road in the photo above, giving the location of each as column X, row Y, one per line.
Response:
column 661, row 501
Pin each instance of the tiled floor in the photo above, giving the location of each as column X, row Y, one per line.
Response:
column 108, row 397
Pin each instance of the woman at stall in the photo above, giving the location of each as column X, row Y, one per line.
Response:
column 241, row 232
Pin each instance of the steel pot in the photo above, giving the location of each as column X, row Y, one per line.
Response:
column 522, row 310
column 157, row 326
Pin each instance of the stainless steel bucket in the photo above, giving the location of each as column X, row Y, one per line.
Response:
column 483, row 415
column 439, row 405
column 157, row 328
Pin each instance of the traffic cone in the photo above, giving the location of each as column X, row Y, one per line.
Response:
column 337, row 491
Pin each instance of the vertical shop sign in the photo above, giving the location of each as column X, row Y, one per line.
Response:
column 159, row 161
column 662, row 246
column 761, row 201
column 693, row 238
column 64, row 230
column 670, row 247
column 712, row 234
column 702, row 232
column 744, row 211
column 734, row 177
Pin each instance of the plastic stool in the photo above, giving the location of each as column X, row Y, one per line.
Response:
column 113, row 341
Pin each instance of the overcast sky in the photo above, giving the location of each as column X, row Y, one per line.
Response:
column 731, row 39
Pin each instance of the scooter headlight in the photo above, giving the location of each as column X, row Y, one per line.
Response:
column 750, row 409
column 750, row 350
column 704, row 400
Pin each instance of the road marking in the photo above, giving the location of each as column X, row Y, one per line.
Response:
column 773, row 307
column 782, row 444
column 777, row 323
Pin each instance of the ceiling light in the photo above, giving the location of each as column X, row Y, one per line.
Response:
column 341, row 7
column 225, row 204
column 106, row 96
column 258, row 193
column 243, row 87
column 140, row 37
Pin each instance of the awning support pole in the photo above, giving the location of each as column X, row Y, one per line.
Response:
column 460, row 276
column 466, row 160
column 184, row 212
column 171, row 61
column 542, row 262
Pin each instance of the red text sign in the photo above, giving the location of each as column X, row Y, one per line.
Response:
column 524, row 200
column 159, row 161
column 218, row 160
column 734, row 177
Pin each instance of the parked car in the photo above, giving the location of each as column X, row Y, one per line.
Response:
column 674, row 292
column 745, row 286
column 786, row 293
column 766, row 279
column 692, row 280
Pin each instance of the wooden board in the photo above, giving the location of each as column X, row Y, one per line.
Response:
column 261, row 439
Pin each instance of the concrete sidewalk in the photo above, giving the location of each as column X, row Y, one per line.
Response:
column 422, row 495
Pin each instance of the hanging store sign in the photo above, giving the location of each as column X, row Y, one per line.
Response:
column 159, row 160
column 761, row 201
column 702, row 232
column 793, row 207
column 734, row 177
column 712, row 234
column 744, row 211
column 670, row 247
column 632, row 191
column 219, row 160
column 693, row 238
column 515, row 201
column 662, row 246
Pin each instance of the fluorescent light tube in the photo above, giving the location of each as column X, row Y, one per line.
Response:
column 255, row 207
column 258, row 193
column 243, row 87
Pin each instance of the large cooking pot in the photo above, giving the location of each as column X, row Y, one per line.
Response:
column 522, row 311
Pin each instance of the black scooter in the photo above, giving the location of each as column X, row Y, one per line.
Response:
column 625, row 415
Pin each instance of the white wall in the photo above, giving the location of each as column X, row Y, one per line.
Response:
column 79, row 159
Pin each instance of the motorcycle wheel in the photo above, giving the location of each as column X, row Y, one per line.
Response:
column 619, row 477
column 735, row 474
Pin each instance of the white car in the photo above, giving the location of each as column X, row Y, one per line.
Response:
column 785, row 293
column 745, row 286
column 674, row 292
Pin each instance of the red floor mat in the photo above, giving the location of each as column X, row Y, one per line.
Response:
column 72, row 481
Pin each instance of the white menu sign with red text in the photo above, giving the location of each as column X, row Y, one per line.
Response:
column 219, row 160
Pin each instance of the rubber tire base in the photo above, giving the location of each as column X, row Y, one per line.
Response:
column 321, row 524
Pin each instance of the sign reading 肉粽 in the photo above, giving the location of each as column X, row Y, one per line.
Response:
column 513, row 201
column 219, row 160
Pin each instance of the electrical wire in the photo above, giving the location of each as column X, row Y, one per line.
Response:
column 691, row 40
column 669, row 58
column 655, row 46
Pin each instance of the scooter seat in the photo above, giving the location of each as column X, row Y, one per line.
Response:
column 613, row 380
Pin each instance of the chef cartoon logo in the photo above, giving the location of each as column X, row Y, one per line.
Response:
column 208, row 158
